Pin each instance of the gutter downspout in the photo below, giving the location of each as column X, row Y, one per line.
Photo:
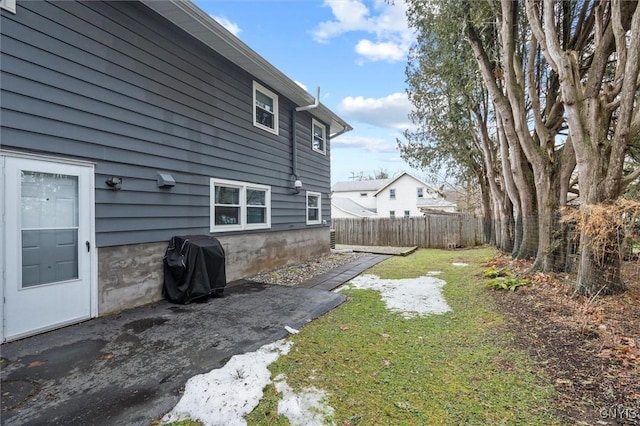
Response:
column 294, row 144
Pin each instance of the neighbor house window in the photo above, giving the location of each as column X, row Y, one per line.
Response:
column 314, row 213
column 420, row 192
column 392, row 194
column 407, row 213
column 9, row 5
column 239, row 205
column 265, row 108
column 392, row 214
column 319, row 136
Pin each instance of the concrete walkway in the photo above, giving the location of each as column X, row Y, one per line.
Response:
column 335, row 278
column 129, row 368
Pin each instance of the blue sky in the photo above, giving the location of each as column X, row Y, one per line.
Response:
column 354, row 50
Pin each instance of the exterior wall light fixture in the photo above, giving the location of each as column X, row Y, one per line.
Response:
column 297, row 185
column 114, row 182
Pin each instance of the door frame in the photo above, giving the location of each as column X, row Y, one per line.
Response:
column 93, row 264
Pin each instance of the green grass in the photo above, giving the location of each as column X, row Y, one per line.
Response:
column 382, row 369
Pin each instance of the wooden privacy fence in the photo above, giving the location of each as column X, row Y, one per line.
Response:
column 431, row 231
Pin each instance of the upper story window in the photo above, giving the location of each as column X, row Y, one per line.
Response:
column 9, row 5
column 265, row 108
column 392, row 194
column 319, row 142
column 237, row 206
column 420, row 192
column 314, row 208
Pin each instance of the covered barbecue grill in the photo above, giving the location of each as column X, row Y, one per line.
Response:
column 194, row 268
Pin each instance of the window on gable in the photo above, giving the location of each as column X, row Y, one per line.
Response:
column 265, row 108
column 420, row 193
column 319, row 137
column 392, row 194
column 237, row 206
column 9, row 5
column 314, row 206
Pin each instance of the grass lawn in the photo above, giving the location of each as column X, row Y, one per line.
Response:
column 379, row 368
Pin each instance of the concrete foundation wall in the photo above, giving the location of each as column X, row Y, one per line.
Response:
column 132, row 275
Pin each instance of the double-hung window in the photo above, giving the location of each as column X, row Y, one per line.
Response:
column 319, row 142
column 265, row 108
column 392, row 194
column 420, row 192
column 237, row 206
column 314, row 208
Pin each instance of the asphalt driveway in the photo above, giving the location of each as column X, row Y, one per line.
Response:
column 128, row 369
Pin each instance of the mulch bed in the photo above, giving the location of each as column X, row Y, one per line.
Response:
column 589, row 348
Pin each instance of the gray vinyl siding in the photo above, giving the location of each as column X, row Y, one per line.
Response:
column 115, row 84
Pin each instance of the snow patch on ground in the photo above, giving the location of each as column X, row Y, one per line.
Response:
column 460, row 264
column 304, row 408
column 223, row 396
column 409, row 296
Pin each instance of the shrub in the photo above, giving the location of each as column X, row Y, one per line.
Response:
column 507, row 283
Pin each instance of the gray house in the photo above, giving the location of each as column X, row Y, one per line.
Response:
column 126, row 123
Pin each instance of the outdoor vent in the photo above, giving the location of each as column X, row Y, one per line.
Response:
column 165, row 180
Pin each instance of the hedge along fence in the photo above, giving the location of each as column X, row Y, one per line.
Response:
column 430, row 231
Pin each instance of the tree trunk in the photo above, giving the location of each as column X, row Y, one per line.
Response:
column 599, row 266
column 598, row 274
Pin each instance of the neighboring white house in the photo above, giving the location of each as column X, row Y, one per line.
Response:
column 401, row 196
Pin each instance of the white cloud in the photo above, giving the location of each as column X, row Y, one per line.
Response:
column 367, row 143
column 350, row 15
column 390, row 111
column 383, row 51
column 384, row 20
column 232, row 27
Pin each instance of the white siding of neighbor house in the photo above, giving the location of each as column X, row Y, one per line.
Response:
column 406, row 188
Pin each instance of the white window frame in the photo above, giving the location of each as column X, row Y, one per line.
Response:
column 392, row 214
column 407, row 213
column 315, row 123
column 243, row 187
column 392, row 194
column 257, row 87
column 420, row 192
column 319, row 220
column 9, row 5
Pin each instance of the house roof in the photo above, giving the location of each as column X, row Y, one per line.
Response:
column 395, row 178
column 376, row 185
column 201, row 26
column 434, row 202
column 359, row 185
column 349, row 206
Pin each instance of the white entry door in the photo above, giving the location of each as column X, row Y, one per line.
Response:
column 48, row 245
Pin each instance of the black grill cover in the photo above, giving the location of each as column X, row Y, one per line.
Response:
column 194, row 267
